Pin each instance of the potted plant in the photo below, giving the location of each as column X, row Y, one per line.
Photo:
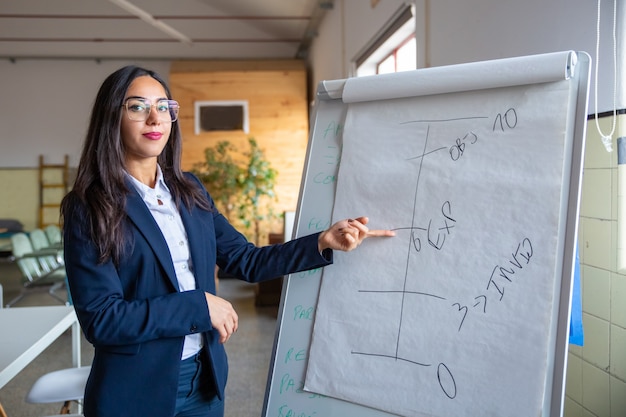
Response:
column 242, row 188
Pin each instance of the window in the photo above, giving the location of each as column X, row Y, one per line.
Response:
column 393, row 49
column 402, row 58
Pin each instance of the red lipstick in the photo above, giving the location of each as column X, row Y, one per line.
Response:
column 153, row 135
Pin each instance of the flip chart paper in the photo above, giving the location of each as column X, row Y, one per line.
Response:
column 420, row 324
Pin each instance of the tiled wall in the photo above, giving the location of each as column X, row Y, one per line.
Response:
column 596, row 372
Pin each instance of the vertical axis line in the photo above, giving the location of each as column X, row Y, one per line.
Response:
column 408, row 256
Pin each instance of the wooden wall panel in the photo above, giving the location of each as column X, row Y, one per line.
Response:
column 276, row 92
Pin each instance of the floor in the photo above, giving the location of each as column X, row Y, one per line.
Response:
column 249, row 351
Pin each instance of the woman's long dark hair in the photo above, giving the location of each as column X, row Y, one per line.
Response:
column 100, row 184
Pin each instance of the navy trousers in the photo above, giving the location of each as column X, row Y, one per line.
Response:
column 196, row 394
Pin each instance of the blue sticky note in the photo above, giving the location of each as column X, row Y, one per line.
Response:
column 576, row 335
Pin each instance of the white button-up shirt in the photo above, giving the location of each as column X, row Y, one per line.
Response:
column 163, row 208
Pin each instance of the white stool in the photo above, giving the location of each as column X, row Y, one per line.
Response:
column 65, row 385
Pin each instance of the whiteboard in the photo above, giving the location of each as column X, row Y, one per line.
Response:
column 478, row 169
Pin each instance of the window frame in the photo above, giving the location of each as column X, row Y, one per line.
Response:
column 397, row 29
column 198, row 105
column 394, row 53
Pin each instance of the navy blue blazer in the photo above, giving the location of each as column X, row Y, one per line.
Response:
column 137, row 319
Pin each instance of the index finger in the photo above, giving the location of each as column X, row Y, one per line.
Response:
column 380, row 233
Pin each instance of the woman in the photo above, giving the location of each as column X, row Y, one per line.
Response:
column 141, row 241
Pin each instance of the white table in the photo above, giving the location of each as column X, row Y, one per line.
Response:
column 28, row 331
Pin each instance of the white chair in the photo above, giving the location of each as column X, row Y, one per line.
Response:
column 52, row 254
column 54, row 235
column 62, row 386
column 36, row 271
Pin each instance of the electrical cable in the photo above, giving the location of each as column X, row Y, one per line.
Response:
column 607, row 139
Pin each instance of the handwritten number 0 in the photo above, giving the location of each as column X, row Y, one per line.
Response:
column 457, row 150
column 446, row 381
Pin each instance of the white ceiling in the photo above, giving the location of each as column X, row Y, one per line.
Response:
column 209, row 29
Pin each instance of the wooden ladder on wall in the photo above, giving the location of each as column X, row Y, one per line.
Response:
column 53, row 185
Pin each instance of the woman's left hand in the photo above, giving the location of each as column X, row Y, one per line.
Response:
column 346, row 235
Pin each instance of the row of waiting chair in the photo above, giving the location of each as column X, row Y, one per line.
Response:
column 39, row 258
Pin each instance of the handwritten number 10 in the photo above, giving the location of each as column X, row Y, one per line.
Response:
column 508, row 121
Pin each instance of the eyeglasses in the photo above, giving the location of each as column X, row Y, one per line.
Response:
column 139, row 109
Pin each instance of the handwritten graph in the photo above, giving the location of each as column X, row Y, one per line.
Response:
column 452, row 315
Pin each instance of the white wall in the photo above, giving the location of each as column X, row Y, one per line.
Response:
column 505, row 28
column 470, row 30
column 45, row 107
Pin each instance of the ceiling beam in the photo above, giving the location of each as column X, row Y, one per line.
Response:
column 148, row 18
